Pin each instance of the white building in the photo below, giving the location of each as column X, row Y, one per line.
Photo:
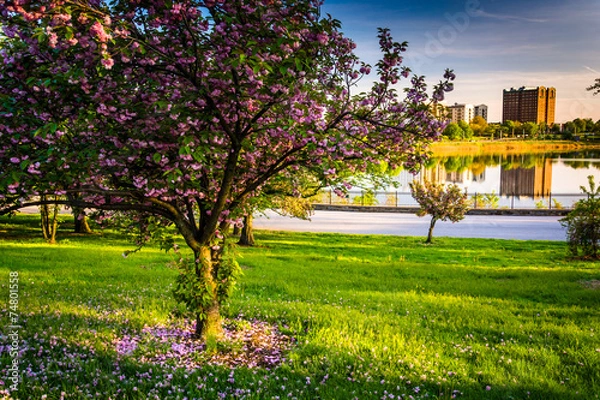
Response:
column 482, row 111
column 462, row 112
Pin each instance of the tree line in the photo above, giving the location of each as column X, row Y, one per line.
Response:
column 479, row 127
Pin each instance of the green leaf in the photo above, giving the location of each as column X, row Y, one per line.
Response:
column 185, row 150
column 157, row 157
column 199, row 156
column 16, row 176
column 52, row 127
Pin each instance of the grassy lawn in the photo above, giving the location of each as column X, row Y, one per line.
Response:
column 370, row 317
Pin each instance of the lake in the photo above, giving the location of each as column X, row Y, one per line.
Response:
column 539, row 180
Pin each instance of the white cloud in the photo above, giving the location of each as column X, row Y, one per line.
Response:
column 505, row 17
column 591, row 69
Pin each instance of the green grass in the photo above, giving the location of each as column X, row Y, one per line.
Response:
column 372, row 316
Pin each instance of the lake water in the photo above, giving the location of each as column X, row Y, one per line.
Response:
column 542, row 180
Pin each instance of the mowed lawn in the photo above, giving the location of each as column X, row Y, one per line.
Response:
column 369, row 317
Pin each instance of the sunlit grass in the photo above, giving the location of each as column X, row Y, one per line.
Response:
column 372, row 316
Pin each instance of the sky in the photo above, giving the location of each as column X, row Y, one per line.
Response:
column 490, row 44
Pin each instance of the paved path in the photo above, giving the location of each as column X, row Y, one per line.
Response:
column 473, row 226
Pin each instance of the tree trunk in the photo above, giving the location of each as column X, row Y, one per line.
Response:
column 49, row 216
column 430, row 234
column 236, row 230
column 79, row 219
column 208, row 319
column 247, row 236
column 81, row 222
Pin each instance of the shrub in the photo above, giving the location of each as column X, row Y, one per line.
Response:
column 583, row 223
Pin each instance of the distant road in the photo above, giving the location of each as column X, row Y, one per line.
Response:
column 473, row 226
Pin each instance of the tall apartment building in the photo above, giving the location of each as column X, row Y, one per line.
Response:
column 461, row 112
column 529, row 104
column 481, row 111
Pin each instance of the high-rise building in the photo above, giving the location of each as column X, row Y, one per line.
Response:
column 481, row 111
column 461, row 112
column 533, row 104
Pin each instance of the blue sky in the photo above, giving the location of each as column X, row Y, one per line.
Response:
column 490, row 44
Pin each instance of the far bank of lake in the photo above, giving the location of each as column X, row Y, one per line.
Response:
column 497, row 175
column 447, row 148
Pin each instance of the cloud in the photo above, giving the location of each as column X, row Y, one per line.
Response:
column 497, row 50
column 506, row 17
column 591, row 70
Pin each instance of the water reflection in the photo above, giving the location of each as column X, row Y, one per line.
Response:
column 534, row 175
column 537, row 180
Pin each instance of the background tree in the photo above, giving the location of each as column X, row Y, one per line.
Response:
column 518, row 128
column 555, row 128
column 581, row 125
column 571, row 128
column 478, row 125
column 531, row 129
column 510, row 127
column 543, row 127
column 185, row 111
column 454, row 132
column 595, row 87
column 440, row 201
column 493, row 131
column 286, row 196
column 467, row 131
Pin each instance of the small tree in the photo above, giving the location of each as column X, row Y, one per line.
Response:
column 583, row 223
column 441, row 202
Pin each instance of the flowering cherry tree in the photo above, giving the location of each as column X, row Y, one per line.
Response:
column 441, row 202
column 185, row 110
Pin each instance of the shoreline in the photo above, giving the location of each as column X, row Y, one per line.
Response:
column 514, row 147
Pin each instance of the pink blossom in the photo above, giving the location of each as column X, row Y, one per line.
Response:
column 97, row 30
column 108, row 63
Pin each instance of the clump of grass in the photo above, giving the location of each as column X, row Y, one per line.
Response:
column 372, row 317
